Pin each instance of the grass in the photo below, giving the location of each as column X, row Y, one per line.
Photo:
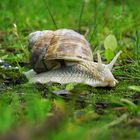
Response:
column 33, row 111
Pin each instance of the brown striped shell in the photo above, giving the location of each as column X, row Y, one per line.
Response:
column 53, row 49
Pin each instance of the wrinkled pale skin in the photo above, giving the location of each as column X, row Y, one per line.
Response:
column 103, row 73
column 105, row 70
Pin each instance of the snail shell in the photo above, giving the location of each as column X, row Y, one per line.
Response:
column 54, row 49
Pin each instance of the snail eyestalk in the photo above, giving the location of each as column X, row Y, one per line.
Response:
column 99, row 65
column 110, row 65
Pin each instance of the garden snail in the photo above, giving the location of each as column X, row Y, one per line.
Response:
column 64, row 56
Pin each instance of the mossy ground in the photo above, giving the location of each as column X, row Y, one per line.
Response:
column 34, row 111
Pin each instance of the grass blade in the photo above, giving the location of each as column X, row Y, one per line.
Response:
column 81, row 14
column 137, row 47
column 50, row 13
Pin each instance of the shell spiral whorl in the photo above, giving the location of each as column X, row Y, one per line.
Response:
column 48, row 47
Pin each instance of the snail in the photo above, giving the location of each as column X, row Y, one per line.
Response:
column 64, row 56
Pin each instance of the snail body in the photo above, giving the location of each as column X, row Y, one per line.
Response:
column 65, row 56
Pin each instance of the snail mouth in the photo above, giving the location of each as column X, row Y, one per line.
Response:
column 111, row 84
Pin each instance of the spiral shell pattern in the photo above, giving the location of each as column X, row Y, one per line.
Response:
column 54, row 49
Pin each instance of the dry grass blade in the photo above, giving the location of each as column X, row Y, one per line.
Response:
column 118, row 120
